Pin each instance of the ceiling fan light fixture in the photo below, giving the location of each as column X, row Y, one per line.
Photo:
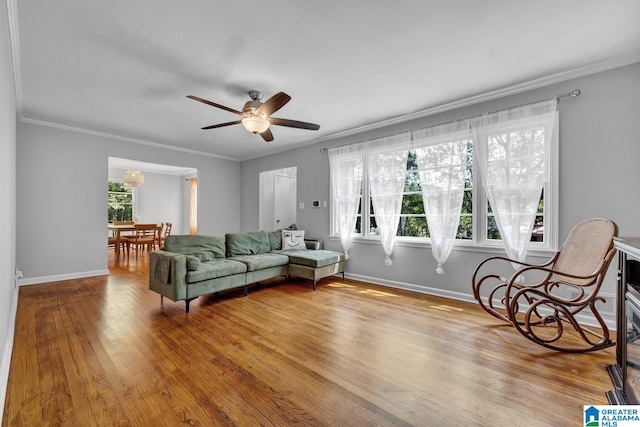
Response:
column 255, row 124
column 133, row 178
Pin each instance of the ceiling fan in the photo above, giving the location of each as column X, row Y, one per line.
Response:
column 257, row 115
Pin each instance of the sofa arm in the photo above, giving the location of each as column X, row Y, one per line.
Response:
column 168, row 274
column 313, row 244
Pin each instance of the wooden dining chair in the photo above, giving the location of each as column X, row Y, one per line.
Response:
column 145, row 236
column 113, row 240
column 158, row 243
column 167, row 232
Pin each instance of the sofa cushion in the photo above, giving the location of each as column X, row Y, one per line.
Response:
column 249, row 243
column 214, row 269
column 205, row 248
column 262, row 261
column 275, row 239
column 314, row 259
column 293, row 240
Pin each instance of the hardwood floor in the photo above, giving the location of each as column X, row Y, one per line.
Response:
column 104, row 351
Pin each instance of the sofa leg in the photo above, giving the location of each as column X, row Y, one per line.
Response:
column 246, row 290
column 314, row 285
column 187, row 301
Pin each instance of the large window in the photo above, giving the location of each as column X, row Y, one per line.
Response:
column 477, row 225
column 120, row 202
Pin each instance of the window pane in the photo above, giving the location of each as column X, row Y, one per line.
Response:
column 469, row 170
column 412, row 182
column 465, row 228
column 467, row 202
column 492, row 228
column 538, row 230
column 541, row 204
column 373, row 227
column 537, row 234
column 413, row 226
column 412, row 204
column 119, row 202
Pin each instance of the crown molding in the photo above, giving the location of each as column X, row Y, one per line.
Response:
column 125, row 139
column 12, row 20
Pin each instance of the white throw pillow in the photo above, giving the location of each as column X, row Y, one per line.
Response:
column 293, row 239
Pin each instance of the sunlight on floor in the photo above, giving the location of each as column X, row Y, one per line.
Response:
column 360, row 291
column 378, row 293
column 340, row 285
column 446, row 308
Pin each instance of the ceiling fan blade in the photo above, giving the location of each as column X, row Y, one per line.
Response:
column 273, row 104
column 293, row 123
column 267, row 135
column 213, row 104
column 237, row 122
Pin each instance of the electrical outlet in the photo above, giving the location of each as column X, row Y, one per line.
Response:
column 18, row 276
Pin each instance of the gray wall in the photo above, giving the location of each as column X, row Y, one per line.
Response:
column 8, row 293
column 61, row 203
column 599, row 154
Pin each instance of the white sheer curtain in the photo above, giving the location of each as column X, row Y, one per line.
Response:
column 441, row 154
column 346, row 165
column 387, row 171
column 513, row 150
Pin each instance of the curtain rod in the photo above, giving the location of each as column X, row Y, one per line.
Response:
column 573, row 94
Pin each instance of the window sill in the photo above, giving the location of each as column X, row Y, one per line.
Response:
column 465, row 247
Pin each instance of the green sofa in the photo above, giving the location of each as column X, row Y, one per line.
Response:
column 190, row 266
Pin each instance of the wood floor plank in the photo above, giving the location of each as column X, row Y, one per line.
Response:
column 106, row 351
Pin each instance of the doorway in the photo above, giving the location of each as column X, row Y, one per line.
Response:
column 278, row 197
column 163, row 197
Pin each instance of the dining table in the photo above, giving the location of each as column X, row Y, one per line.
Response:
column 117, row 230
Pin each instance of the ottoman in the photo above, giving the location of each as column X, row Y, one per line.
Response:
column 315, row 264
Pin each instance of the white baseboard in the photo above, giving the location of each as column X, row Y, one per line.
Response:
column 412, row 287
column 60, row 277
column 608, row 317
column 5, row 363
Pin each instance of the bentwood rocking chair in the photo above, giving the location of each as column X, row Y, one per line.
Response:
column 540, row 300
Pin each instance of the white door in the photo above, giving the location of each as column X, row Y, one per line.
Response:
column 284, row 201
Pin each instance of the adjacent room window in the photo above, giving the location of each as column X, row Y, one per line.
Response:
column 120, row 202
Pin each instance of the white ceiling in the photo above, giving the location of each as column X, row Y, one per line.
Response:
column 123, row 68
